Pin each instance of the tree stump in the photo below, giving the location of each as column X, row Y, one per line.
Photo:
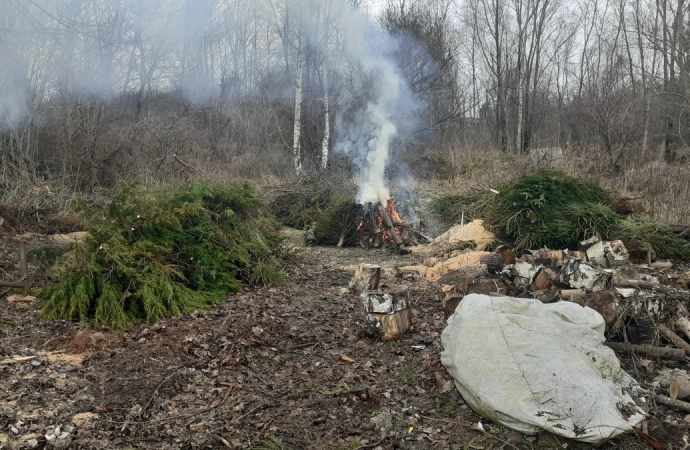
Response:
column 389, row 310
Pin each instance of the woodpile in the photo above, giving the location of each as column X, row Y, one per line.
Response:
column 640, row 304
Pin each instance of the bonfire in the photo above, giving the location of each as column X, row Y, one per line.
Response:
column 381, row 226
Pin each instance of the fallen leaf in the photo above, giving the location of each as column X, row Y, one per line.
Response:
column 687, row 418
column 232, row 385
column 347, row 358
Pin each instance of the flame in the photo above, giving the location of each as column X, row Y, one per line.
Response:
column 365, row 227
column 392, row 212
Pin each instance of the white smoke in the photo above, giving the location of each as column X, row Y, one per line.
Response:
column 101, row 48
column 388, row 111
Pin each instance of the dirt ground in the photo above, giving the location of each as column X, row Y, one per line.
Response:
column 269, row 368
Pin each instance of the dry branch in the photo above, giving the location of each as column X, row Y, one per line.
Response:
column 16, row 360
column 672, row 403
column 683, row 324
column 673, row 354
column 674, row 338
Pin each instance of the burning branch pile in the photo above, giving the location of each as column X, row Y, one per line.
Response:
column 380, row 226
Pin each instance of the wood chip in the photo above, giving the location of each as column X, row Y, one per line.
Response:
column 347, row 359
column 16, row 360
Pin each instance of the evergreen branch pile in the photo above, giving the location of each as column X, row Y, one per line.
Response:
column 147, row 257
column 338, row 223
column 551, row 209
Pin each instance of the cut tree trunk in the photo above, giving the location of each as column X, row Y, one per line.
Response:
column 366, row 278
column 390, row 310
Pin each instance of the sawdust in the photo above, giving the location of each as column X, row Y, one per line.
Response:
column 69, row 358
column 473, row 231
column 82, row 419
column 443, row 267
column 69, row 238
column 15, row 298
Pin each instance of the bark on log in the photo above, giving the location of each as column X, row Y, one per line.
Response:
column 366, row 278
column 672, row 403
column 683, row 324
column 567, row 294
column 679, row 389
column 674, row 338
column 639, row 284
column 673, row 354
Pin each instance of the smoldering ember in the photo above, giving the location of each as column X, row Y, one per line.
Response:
column 333, row 224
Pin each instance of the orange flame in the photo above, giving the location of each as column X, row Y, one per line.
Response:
column 392, row 212
column 381, row 228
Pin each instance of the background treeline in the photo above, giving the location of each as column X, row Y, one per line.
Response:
column 95, row 91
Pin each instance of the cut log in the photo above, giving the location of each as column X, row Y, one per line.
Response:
column 672, row 403
column 550, row 257
column 450, row 301
column 393, row 325
column 507, row 254
column 546, row 278
column 567, row 294
column 578, row 254
column 673, row 354
column 594, row 249
column 525, row 271
column 366, row 278
column 389, row 311
column 493, row 261
column 679, row 389
column 15, row 360
column 615, row 253
column 603, row 302
column 579, row 274
column 386, row 302
column 683, row 324
column 674, row 338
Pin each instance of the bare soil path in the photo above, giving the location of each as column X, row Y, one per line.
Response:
column 269, row 368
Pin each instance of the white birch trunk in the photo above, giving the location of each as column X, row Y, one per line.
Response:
column 296, row 150
column 326, row 119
